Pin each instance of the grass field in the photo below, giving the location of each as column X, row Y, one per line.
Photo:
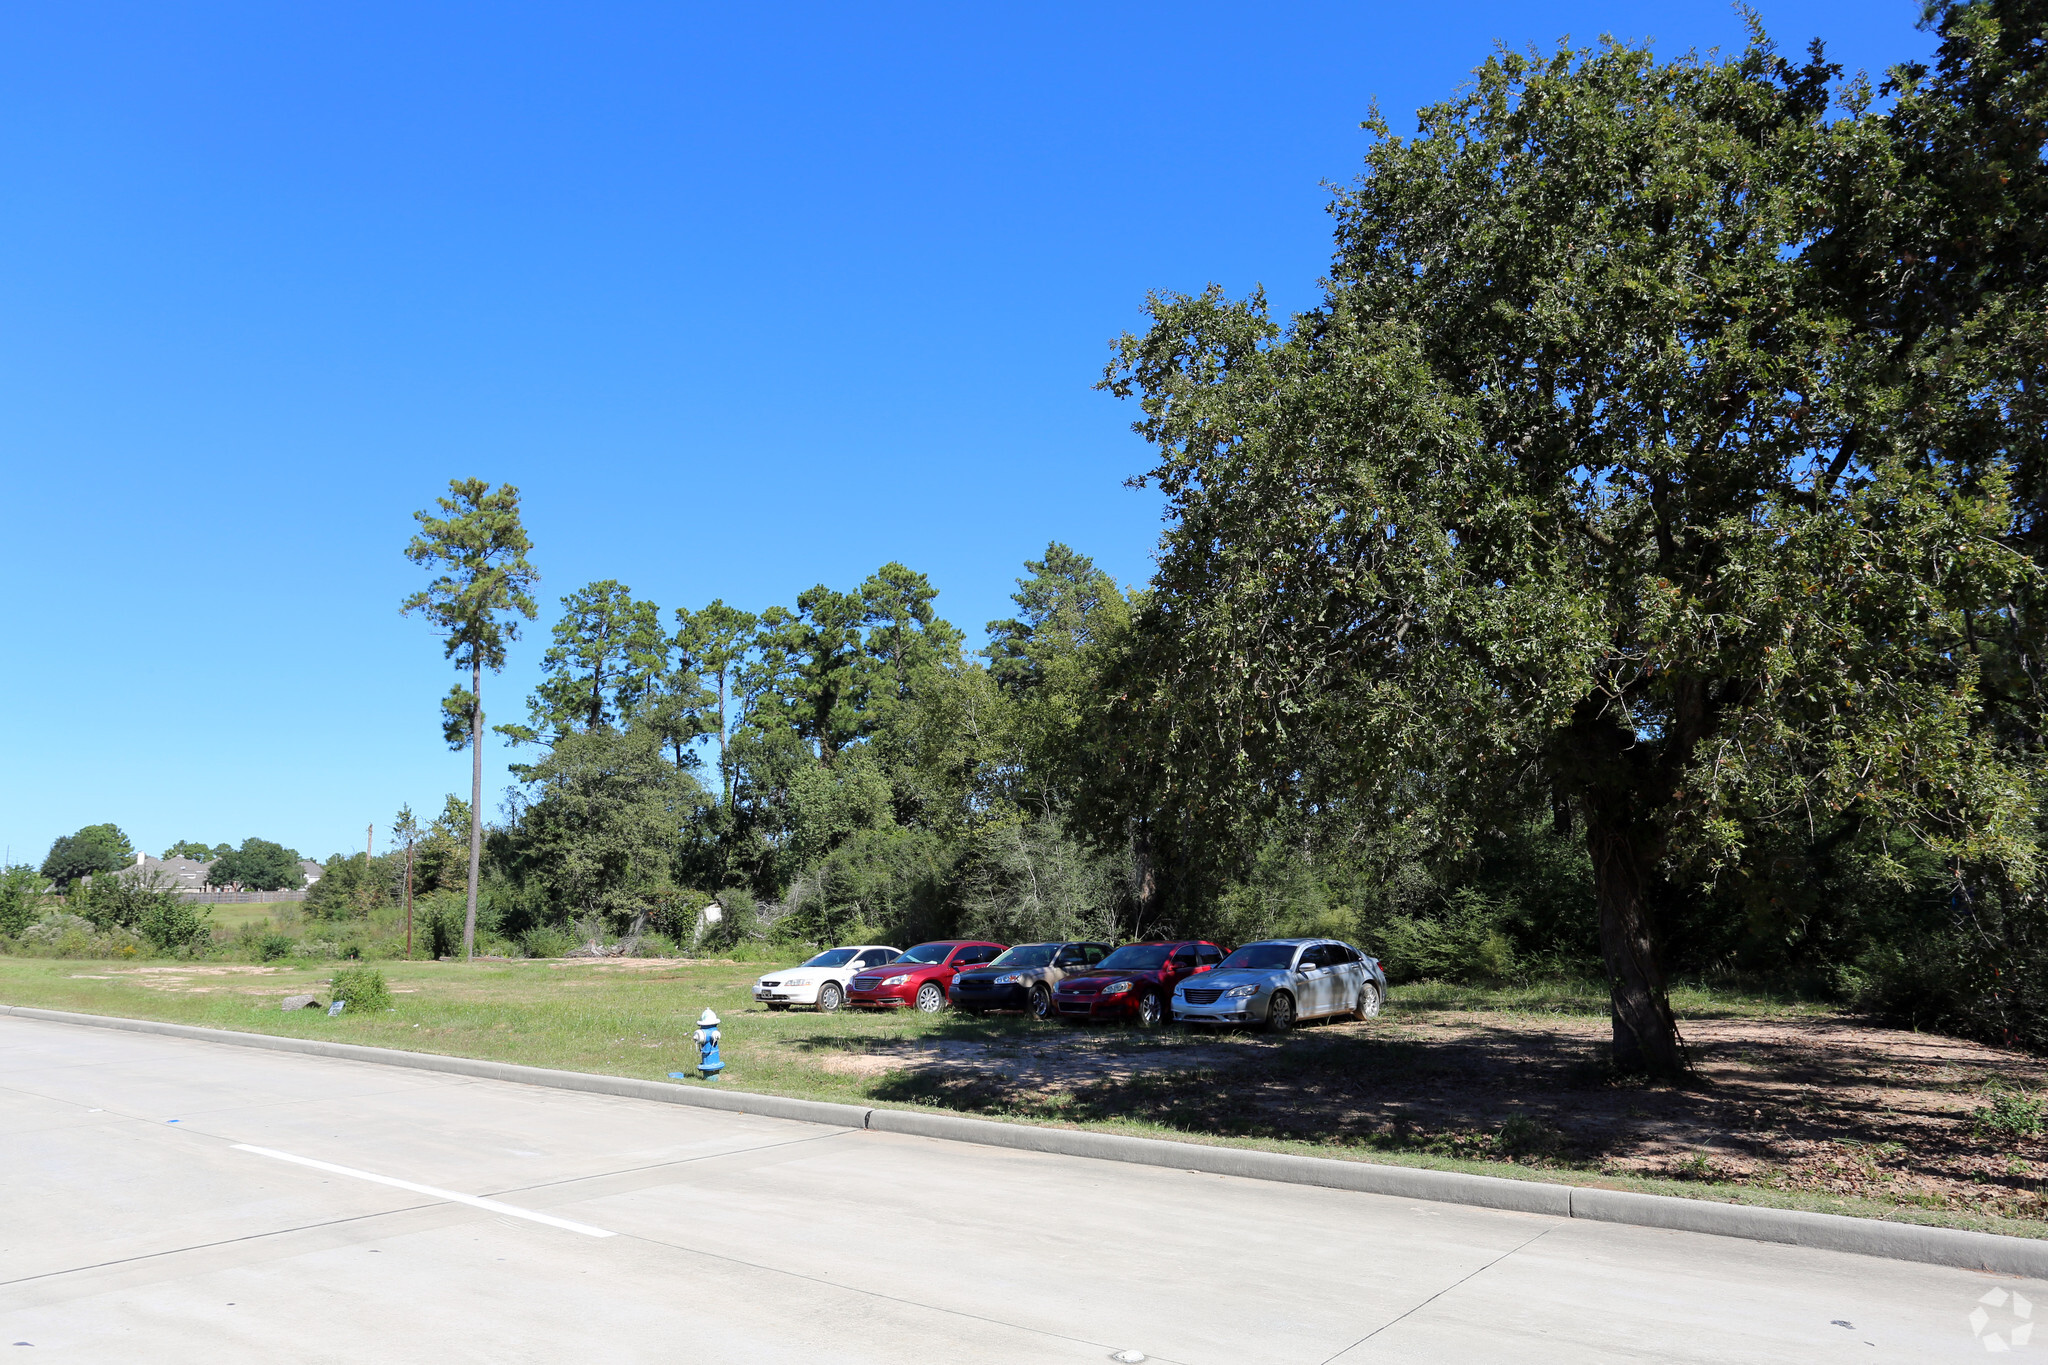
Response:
column 1797, row 1105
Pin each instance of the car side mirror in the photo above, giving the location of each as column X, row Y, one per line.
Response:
column 1206, row 967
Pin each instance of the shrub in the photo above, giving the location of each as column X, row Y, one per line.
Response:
column 172, row 922
column 1463, row 944
column 362, row 988
column 21, row 894
column 274, row 947
column 657, row 945
column 438, row 921
column 60, row 934
column 545, row 940
column 122, row 900
column 2012, row 1113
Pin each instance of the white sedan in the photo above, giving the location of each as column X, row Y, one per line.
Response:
column 822, row 980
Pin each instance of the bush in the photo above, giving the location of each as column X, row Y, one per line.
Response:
column 21, row 895
column 438, row 921
column 60, row 934
column 362, row 988
column 172, row 922
column 122, row 900
column 545, row 940
column 657, row 945
column 274, row 947
column 1463, row 944
column 2012, row 1113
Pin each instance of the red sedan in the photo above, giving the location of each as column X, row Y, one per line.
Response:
column 921, row 976
column 1135, row 982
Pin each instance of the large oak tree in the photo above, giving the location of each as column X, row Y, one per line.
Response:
column 1581, row 480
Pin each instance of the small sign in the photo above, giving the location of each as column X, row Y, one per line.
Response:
column 336, row 1008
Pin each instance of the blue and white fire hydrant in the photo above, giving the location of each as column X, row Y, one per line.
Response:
column 708, row 1061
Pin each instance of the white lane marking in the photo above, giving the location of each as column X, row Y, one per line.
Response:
column 452, row 1196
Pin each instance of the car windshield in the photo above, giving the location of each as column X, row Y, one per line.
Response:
column 1261, row 957
column 1139, row 957
column 925, row 954
column 1027, row 955
column 833, row 957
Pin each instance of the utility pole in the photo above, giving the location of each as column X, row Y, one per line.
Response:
column 408, row 896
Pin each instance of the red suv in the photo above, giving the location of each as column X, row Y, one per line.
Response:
column 921, row 976
column 1134, row 982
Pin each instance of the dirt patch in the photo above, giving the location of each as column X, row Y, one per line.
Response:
column 198, row 969
column 1828, row 1104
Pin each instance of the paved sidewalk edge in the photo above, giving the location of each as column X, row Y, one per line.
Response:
column 1823, row 1231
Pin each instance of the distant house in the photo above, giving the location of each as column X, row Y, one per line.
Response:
column 187, row 876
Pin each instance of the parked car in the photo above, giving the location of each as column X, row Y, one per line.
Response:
column 1134, row 982
column 920, row 976
column 1282, row 980
column 1024, row 977
column 822, row 980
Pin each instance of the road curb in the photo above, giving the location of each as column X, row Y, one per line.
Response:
column 1795, row 1227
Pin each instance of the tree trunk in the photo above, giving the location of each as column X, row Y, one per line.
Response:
column 1646, row 1040
column 476, row 805
column 1144, row 876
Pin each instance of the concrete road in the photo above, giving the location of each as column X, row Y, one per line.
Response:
column 166, row 1200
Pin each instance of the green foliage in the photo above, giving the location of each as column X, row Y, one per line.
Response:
column 363, row 988
column 258, row 865
column 274, row 947
column 172, row 923
column 2012, row 1113
column 21, row 897
column 608, row 654
column 441, row 859
column 96, row 848
column 1023, row 882
column 600, row 829
column 1463, row 945
column 59, row 933
column 437, row 922
column 124, row 899
column 197, row 852
column 546, row 940
column 478, row 547
column 1577, row 473
column 739, row 921
column 352, row 886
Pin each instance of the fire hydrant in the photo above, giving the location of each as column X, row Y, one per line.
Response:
column 708, row 1061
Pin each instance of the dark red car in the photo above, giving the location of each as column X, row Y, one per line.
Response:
column 921, row 976
column 1135, row 982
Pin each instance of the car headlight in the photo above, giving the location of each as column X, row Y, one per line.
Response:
column 1013, row 979
column 1240, row 992
column 1116, row 988
column 897, row 980
column 796, row 981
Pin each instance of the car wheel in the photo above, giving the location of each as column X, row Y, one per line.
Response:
column 931, row 997
column 1280, row 1014
column 830, row 998
column 1041, row 1002
column 1368, row 1001
column 1150, row 1011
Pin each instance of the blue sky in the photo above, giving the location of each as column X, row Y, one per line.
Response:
column 742, row 299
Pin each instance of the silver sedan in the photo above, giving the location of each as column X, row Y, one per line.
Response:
column 1279, row 981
